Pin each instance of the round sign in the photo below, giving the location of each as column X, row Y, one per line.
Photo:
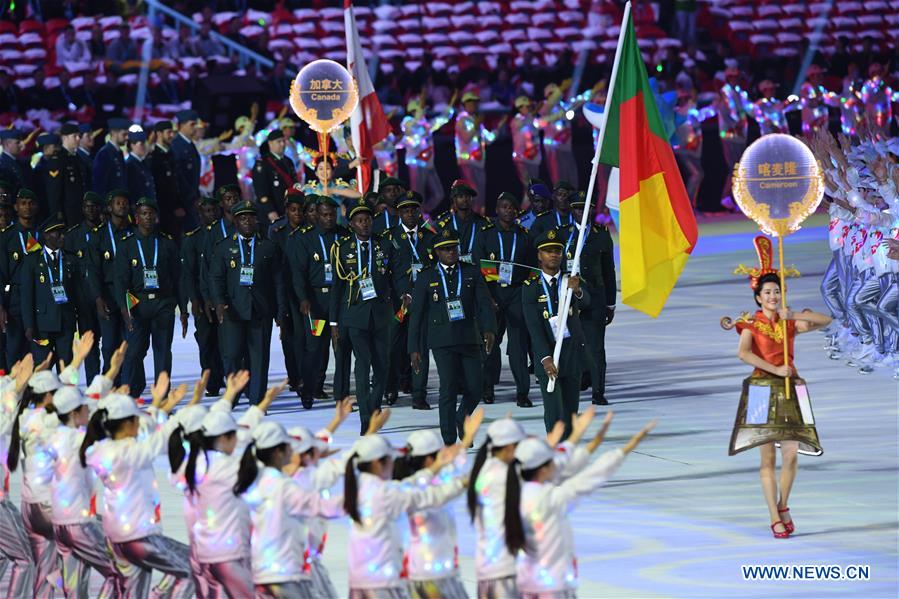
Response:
column 323, row 95
column 778, row 183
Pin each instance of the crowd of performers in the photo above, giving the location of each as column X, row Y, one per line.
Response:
column 257, row 497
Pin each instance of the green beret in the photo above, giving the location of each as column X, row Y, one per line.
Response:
column 509, row 197
column 461, row 188
column 221, row 191
column 327, row 201
column 27, row 194
column 564, row 185
column 208, row 201
column 92, row 197
column 149, row 202
column 295, row 196
column 117, row 193
column 392, row 181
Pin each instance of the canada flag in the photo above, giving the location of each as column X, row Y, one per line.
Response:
column 368, row 122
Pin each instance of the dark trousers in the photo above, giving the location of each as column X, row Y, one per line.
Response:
column 459, row 369
column 563, row 401
column 594, row 359
column 87, row 321
column 299, row 327
column 315, row 362
column 289, row 331
column 247, row 344
column 112, row 333
column 509, row 319
column 370, row 348
column 16, row 344
column 206, row 335
column 399, row 368
column 153, row 321
column 59, row 342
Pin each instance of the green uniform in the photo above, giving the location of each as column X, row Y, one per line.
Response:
column 507, row 246
column 309, row 256
column 551, row 219
column 468, row 231
column 539, row 303
column 272, row 177
column 48, row 303
column 597, row 271
column 147, row 268
column 384, row 221
column 13, row 249
column 454, row 335
column 78, row 244
column 245, row 275
column 205, row 332
column 292, row 337
column 101, row 267
column 361, row 304
column 409, row 254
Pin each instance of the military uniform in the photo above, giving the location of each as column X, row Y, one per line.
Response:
column 147, row 267
column 78, row 245
column 313, row 276
column 11, row 169
column 101, row 283
column 551, row 219
column 74, row 182
column 361, row 304
column 383, row 221
column 187, row 170
column 272, row 177
column 205, row 332
column 410, row 253
column 162, row 166
column 540, row 303
column 597, row 271
column 140, row 177
column 15, row 246
column 453, row 305
column 467, row 230
column 292, row 337
column 507, row 247
column 48, row 305
column 243, row 275
column 109, row 164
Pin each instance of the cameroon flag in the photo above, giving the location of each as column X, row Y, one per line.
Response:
column 490, row 270
column 658, row 229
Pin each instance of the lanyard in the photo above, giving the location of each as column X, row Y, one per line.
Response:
column 559, row 219
column 571, row 237
column 252, row 251
column 410, row 235
column 458, row 282
column 50, row 267
column 386, row 219
column 140, row 250
column 325, row 256
column 111, row 238
column 502, row 253
column 549, row 300
column 222, row 225
column 359, row 259
column 470, row 239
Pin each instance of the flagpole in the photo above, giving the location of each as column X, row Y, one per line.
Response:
column 565, row 301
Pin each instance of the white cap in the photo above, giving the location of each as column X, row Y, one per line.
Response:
column 302, row 439
column 191, row 418
column 372, row 447
column 269, row 434
column 119, row 406
column 68, row 398
column 44, row 382
column 217, row 422
column 505, row 432
column 99, row 387
column 533, row 452
column 422, row 443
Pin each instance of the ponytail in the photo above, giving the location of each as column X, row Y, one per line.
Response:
column 248, row 471
column 197, row 442
column 96, row 431
column 407, row 465
column 472, row 493
column 515, row 540
column 351, row 490
column 176, row 449
column 15, row 441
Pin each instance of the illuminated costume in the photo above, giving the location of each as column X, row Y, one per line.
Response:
column 688, row 147
column 557, row 133
column 418, row 140
column 764, row 414
column 472, row 139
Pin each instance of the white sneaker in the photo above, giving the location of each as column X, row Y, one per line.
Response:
column 861, row 355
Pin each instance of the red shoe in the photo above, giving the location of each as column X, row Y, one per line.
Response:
column 780, row 535
column 788, row 525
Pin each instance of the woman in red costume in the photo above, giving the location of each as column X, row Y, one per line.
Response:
column 765, row 416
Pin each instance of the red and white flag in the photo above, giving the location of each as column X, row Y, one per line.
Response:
column 369, row 123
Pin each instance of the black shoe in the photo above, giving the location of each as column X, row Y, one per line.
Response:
column 390, row 398
column 213, row 392
column 600, row 400
column 489, row 399
column 307, row 402
column 406, row 387
column 420, row 404
column 524, row 402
